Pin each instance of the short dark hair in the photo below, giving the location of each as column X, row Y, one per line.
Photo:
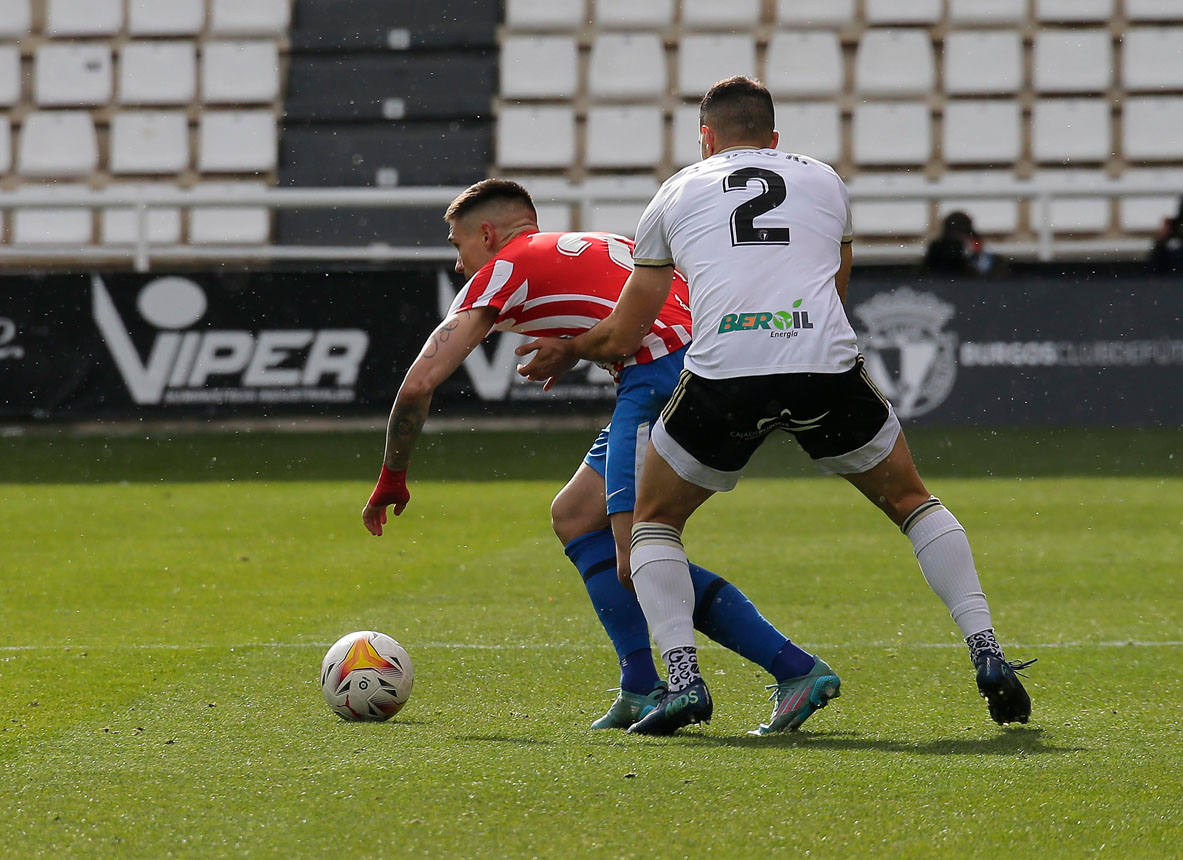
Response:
column 488, row 191
column 739, row 108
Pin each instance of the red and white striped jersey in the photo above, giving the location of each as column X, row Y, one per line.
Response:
column 557, row 284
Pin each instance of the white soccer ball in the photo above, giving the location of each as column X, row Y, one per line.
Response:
column 366, row 676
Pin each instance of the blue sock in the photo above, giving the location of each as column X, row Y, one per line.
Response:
column 594, row 554
column 724, row 613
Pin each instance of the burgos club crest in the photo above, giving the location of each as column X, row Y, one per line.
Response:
column 908, row 354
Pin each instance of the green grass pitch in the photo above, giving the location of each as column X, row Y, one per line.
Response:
column 165, row 604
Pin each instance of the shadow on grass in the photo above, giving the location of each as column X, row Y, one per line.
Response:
column 1008, row 742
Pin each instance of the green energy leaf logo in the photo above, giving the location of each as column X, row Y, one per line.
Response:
column 767, row 320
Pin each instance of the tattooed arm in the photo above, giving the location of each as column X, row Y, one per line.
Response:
column 442, row 353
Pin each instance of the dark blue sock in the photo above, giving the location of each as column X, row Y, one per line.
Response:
column 594, row 554
column 724, row 613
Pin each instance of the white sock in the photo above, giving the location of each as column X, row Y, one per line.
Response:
column 661, row 577
column 947, row 562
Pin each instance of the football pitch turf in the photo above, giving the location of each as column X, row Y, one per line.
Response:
column 166, row 602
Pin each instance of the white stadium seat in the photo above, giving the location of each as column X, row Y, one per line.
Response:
column 1152, row 58
column 236, row 225
column 542, row 136
column 237, row 141
column 892, row 133
column 624, row 136
column 804, row 63
column 10, row 75
column 617, row 202
column 1153, row 10
column 249, row 17
column 1073, row 214
column 1152, row 128
column 733, row 14
column 810, row 128
column 539, row 67
column 67, row 74
column 894, row 62
column 982, row 132
column 58, row 144
column 1073, row 10
column 989, row 12
column 1146, row 214
column 83, row 17
column 149, row 142
column 544, row 14
column 705, row 59
column 990, row 214
column 631, row 15
column 1070, row 130
column 72, row 226
column 815, row 13
column 119, row 225
column 165, row 17
column 903, row 11
column 5, row 145
column 627, row 65
column 239, row 72
column 684, row 140
column 983, row 62
column 887, row 217
column 1073, row 61
column 16, row 18
column 158, row 73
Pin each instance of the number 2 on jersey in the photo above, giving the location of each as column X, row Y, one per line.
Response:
column 743, row 227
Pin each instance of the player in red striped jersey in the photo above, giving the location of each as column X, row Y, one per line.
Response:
column 562, row 284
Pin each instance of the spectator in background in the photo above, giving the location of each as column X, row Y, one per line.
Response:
column 959, row 249
column 1166, row 256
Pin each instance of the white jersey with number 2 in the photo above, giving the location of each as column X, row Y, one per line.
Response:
column 758, row 234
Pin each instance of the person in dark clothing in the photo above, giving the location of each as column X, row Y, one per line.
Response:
column 959, row 249
column 1166, row 255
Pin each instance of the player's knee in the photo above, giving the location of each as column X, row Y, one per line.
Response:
column 569, row 518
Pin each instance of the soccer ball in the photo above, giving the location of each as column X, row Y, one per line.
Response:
column 366, row 676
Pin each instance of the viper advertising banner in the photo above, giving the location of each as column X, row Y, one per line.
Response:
column 1044, row 346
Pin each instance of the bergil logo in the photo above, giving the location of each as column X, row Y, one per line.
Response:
column 221, row 366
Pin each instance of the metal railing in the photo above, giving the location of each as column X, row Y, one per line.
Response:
column 142, row 253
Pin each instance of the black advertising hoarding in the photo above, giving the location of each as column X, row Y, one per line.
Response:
column 1041, row 347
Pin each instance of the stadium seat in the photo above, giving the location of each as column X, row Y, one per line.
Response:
column 66, row 74
column 542, row 136
column 624, row 136
column 704, row 59
column 5, row 144
column 83, row 17
column 239, row 72
column 1153, row 10
column 165, row 17
column 544, row 14
column 815, row 13
column 157, row 73
column 903, row 11
column 237, row 141
column 1146, row 214
column 249, row 17
column 617, row 203
column 349, row 26
column 711, row 14
column 990, row 214
column 892, row 133
column 804, row 63
column 1152, row 58
column 539, row 67
column 1073, row 61
column 72, row 226
column 1073, row 10
column 627, row 65
column 983, row 62
column 119, row 225
column 16, row 18
column 1073, row 214
column 1070, row 130
column 1152, row 128
column 994, row 12
column 810, row 128
column 982, row 132
column 149, row 142
column 888, row 217
column 237, row 225
column 10, row 74
column 894, row 62
column 58, row 144
column 631, row 15
column 684, row 136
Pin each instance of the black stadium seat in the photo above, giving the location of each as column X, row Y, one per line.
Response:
column 374, row 25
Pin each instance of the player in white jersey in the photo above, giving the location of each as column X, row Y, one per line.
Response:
column 764, row 239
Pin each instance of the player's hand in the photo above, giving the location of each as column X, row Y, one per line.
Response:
column 390, row 490
column 553, row 357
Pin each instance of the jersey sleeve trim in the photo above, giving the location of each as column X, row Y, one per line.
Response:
column 655, row 264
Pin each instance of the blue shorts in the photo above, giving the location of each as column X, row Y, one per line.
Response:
column 619, row 450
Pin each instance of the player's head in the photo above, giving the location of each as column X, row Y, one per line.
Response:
column 486, row 216
column 736, row 112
